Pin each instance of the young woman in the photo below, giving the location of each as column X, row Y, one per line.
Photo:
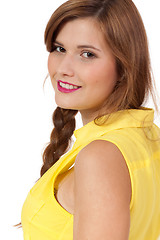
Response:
column 107, row 186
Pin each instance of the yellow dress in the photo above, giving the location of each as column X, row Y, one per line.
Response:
column 43, row 218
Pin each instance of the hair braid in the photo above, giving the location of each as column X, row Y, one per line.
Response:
column 64, row 126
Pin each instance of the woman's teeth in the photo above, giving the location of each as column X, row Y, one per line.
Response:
column 67, row 86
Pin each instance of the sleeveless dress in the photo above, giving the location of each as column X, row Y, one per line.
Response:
column 43, row 218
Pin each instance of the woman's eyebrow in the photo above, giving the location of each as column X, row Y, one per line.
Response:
column 80, row 46
column 88, row 46
column 56, row 42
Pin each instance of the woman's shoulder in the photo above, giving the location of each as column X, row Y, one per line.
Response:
column 100, row 152
column 99, row 149
column 104, row 163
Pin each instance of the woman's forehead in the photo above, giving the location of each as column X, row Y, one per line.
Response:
column 81, row 31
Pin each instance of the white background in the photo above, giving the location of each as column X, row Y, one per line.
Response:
column 25, row 108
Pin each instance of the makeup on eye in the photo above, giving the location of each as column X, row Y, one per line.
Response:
column 89, row 54
column 60, row 49
column 55, row 48
column 79, row 46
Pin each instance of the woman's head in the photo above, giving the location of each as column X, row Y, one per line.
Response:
column 123, row 31
column 81, row 57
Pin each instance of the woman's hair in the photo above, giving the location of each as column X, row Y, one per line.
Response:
column 124, row 32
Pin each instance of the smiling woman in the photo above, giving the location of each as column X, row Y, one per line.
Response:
column 74, row 63
column 99, row 66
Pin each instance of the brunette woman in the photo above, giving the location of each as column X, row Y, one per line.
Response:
column 107, row 186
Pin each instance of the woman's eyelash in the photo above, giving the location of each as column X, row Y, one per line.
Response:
column 89, row 54
column 55, row 48
column 61, row 49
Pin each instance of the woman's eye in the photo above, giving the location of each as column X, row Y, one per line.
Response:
column 88, row 55
column 58, row 49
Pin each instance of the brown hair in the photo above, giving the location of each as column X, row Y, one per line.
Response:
column 125, row 34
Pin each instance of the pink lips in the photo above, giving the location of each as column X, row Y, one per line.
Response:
column 61, row 89
column 68, row 83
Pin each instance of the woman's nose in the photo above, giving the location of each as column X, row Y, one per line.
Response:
column 66, row 66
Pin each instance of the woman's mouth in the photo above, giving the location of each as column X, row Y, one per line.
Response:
column 66, row 87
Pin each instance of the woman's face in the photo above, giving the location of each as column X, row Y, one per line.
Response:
column 82, row 58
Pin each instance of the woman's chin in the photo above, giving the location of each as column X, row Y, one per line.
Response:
column 66, row 106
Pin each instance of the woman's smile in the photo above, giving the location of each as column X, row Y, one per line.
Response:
column 81, row 58
column 66, row 87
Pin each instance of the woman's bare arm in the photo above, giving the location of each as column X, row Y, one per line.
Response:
column 102, row 193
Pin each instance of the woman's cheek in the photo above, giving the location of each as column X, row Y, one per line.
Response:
column 52, row 62
column 89, row 72
column 49, row 64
